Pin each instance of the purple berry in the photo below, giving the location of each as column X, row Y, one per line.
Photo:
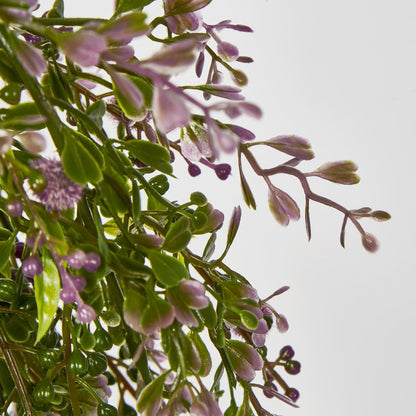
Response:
column 76, row 259
column 194, row 170
column 14, row 208
column 92, row 262
column 287, row 353
column 292, row 393
column 292, row 367
column 269, row 388
column 19, row 246
column 85, row 314
column 68, row 295
column 223, row 170
column 79, row 282
column 32, row 266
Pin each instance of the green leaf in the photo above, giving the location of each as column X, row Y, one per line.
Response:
column 209, row 247
column 151, row 154
column 249, row 319
column 204, row 355
column 134, row 304
column 150, row 397
column 79, row 164
column 128, row 5
column 47, row 290
column 92, row 147
column 6, row 249
column 157, row 314
column 23, row 116
column 136, row 209
column 57, row 9
column 96, row 112
column 168, row 270
column 178, row 236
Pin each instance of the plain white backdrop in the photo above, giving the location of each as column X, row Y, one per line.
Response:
column 342, row 74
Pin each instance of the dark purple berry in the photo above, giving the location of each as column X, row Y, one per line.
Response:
column 19, row 246
column 31, row 38
column 32, row 266
column 292, row 393
column 14, row 208
column 292, row 367
column 286, row 353
column 223, row 171
column 92, row 262
column 268, row 390
column 68, row 295
column 79, row 282
column 194, row 170
column 76, row 259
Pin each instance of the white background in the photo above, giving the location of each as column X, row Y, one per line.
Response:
column 342, row 74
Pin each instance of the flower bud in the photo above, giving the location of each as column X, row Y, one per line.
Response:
column 33, row 141
column 370, row 243
column 31, row 58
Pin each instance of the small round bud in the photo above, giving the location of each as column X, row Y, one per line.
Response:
column 292, row 393
column 198, row 198
column 370, row 243
column 14, row 208
column 292, row 367
column 92, row 262
column 33, row 141
column 194, row 170
column 79, row 282
column 32, row 266
column 286, row 353
column 223, row 171
column 76, row 259
column 68, row 295
column 85, row 313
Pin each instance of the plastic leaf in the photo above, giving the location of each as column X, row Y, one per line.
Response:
column 6, row 248
column 47, row 290
column 157, row 314
column 150, row 398
column 79, row 164
column 204, row 355
column 178, row 236
column 128, row 5
column 210, row 247
column 168, row 270
column 151, row 154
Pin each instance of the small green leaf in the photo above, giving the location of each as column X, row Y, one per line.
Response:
column 150, row 397
column 23, row 116
column 79, row 164
column 92, row 147
column 96, row 112
column 128, row 5
column 6, row 249
column 210, row 247
column 134, row 304
column 178, row 236
column 168, row 270
column 136, row 209
column 47, row 290
column 208, row 316
column 151, row 154
column 57, row 9
column 204, row 355
column 249, row 319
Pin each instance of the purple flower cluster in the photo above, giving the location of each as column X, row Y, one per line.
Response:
column 60, row 192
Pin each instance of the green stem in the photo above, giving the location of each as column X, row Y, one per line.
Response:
column 67, row 21
column 16, row 375
column 73, row 394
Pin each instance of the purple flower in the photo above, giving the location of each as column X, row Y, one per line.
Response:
column 17, row 13
column 234, row 110
column 169, row 110
column 282, row 206
column 118, row 53
column 242, row 133
column 295, row 146
column 32, row 141
column 244, row 359
column 60, row 193
column 125, row 28
column 31, row 58
column 228, row 51
column 84, row 47
column 179, row 23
